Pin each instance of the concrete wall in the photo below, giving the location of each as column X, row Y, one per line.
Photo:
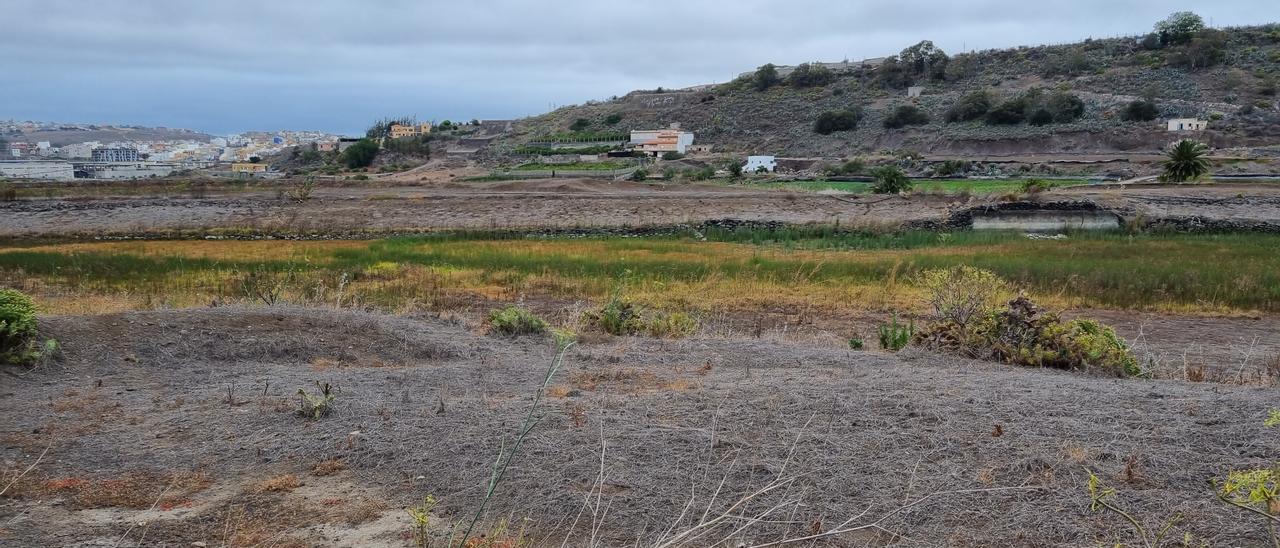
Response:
column 1046, row 220
column 21, row 169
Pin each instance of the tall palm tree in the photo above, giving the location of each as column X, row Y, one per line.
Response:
column 1185, row 162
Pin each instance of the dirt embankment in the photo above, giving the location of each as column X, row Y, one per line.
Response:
column 934, row 450
column 539, row 204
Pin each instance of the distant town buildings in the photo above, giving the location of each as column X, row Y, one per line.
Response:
column 399, row 131
column 1187, row 124
column 661, row 141
column 115, row 155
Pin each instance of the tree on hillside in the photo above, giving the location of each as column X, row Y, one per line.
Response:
column 925, row 59
column 893, row 74
column 1179, row 28
column 1185, row 162
column 766, row 77
column 1140, row 110
column 906, row 115
column 580, row 124
column 1064, row 106
column 971, row 106
column 837, row 120
column 361, row 154
column 811, row 75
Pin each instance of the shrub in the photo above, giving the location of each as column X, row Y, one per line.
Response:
column 581, row 124
column 612, row 119
column 894, row 336
column 1024, row 335
column 639, row 174
column 952, row 167
column 971, row 106
column 672, row 155
column 1179, row 27
column 851, row 167
column 765, row 77
column 361, row 154
column 735, row 170
column 703, row 174
column 1037, row 185
column 671, row 325
column 837, row 120
column 619, row 316
column 1063, row 106
column 1140, row 110
column 962, row 293
column 1007, row 113
column 810, row 75
column 889, row 180
column 513, row 320
column 19, row 340
column 906, row 115
column 316, row 407
column 8, row 192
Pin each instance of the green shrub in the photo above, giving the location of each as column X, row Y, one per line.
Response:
column 1024, row 335
column 360, row 154
column 894, row 336
column 837, row 120
column 639, row 174
column 856, row 343
column 671, row 155
column 1037, row 185
column 612, row 119
column 971, row 106
column 962, row 293
column 19, row 340
column 1008, row 113
column 318, row 406
column 513, row 320
column 765, row 77
column 671, row 325
column 905, row 115
column 619, row 316
column 889, row 180
column 807, row 75
column 581, row 124
column 1140, row 111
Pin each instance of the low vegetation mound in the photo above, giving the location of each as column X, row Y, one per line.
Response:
column 19, row 341
column 513, row 320
column 1023, row 334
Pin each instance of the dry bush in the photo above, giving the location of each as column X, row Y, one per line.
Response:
column 361, row 511
column 558, row 391
column 627, row 380
column 328, row 467
column 962, row 293
column 279, row 484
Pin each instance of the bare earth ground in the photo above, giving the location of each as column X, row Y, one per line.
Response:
column 566, row 203
column 201, row 404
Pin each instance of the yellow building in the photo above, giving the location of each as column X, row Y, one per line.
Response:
column 245, row 167
column 398, row 130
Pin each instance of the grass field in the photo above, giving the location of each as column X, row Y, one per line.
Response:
column 742, row 270
column 973, row 186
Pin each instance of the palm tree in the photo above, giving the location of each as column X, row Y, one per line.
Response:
column 1186, row 162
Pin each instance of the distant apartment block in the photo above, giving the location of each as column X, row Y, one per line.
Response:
column 115, row 155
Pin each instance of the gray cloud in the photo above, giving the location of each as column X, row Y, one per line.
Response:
column 325, row 64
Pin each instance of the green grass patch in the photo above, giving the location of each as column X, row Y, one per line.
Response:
column 580, row 166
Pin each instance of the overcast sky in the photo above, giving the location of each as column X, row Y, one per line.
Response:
column 233, row 65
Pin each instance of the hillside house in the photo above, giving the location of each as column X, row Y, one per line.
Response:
column 249, row 167
column 760, row 164
column 1187, row 124
column 659, row 141
column 399, row 131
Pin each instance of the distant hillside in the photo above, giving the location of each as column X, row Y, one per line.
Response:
column 1227, row 76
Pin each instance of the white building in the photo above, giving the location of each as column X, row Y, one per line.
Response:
column 1187, row 124
column 755, row 164
column 660, row 141
column 914, row 91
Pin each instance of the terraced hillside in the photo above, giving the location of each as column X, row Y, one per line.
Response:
column 1227, row 77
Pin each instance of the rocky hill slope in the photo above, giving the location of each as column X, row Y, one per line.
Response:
column 1227, row 77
